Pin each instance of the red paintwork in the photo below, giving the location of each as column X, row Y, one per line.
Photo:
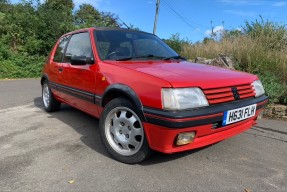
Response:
column 222, row 95
column 147, row 78
column 186, row 74
column 163, row 139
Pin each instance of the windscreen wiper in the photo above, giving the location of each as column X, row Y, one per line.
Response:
column 140, row 56
column 178, row 57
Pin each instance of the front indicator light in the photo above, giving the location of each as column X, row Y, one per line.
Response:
column 185, row 138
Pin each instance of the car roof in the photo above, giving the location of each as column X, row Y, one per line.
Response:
column 104, row 28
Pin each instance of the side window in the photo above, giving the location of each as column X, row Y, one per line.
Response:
column 58, row 56
column 79, row 45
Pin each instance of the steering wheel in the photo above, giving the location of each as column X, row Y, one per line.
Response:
column 111, row 54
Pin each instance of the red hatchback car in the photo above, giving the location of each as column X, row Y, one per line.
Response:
column 146, row 96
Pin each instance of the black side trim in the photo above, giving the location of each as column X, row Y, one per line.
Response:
column 199, row 112
column 87, row 96
column 97, row 100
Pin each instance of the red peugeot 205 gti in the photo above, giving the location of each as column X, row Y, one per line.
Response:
column 146, row 96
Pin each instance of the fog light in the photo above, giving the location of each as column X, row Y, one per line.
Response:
column 185, row 138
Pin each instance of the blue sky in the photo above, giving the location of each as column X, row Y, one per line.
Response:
column 197, row 14
column 191, row 18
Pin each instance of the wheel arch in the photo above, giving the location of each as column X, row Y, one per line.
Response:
column 43, row 78
column 121, row 90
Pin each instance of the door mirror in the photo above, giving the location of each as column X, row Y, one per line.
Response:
column 81, row 60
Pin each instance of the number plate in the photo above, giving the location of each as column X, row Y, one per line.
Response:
column 239, row 114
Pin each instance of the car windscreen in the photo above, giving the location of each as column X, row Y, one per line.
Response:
column 130, row 45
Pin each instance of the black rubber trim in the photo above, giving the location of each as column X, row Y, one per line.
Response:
column 44, row 77
column 198, row 112
column 87, row 96
column 185, row 124
column 128, row 92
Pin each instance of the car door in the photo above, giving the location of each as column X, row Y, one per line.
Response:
column 56, row 64
column 79, row 81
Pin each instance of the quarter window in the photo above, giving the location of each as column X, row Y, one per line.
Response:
column 79, row 45
column 61, row 49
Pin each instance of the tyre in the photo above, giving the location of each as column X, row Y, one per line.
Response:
column 122, row 132
column 49, row 101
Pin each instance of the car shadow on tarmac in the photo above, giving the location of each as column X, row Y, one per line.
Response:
column 87, row 126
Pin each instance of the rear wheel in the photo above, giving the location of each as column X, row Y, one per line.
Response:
column 49, row 101
column 122, row 132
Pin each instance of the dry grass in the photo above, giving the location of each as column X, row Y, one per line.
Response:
column 251, row 55
column 255, row 55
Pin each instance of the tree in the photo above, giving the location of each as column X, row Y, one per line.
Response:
column 109, row 20
column 30, row 28
column 3, row 5
column 88, row 16
column 17, row 22
column 56, row 19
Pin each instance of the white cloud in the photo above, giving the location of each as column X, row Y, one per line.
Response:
column 279, row 4
column 217, row 30
column 239, row 29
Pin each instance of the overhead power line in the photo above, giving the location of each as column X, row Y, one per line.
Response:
column 181, row 17
column 172, row 5
column 176, row 13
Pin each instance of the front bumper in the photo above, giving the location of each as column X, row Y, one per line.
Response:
column 162, row 127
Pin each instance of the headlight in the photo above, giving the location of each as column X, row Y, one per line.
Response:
column 183, row 98
column 259, row 90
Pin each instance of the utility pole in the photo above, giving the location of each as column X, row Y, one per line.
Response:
column 156, row 16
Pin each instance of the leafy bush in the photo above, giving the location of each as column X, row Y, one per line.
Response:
column 276, row 91
column 272, row 35
column 29, row 29
column 176, row 43
column 21, row 67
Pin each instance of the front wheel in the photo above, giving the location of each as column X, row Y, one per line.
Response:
column 122, row 132
column 49, row 101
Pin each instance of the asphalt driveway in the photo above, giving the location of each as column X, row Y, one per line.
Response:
column 62, row 151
